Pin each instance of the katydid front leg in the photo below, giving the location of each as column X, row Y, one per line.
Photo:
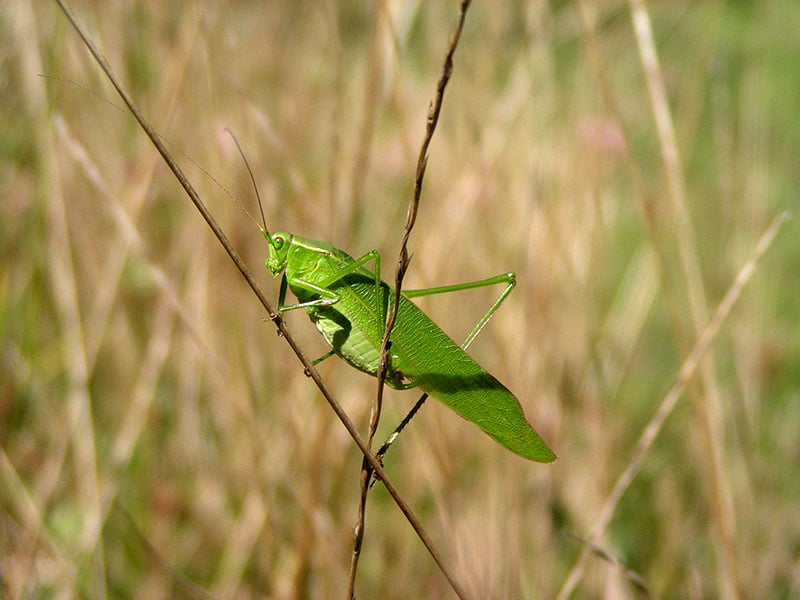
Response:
column 327, row 296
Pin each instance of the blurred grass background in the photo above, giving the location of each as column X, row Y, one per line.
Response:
column 156, row 434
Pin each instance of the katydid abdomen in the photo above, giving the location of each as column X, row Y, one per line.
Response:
column 421, row 354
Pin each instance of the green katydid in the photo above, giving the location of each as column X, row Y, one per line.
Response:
column 348, row 304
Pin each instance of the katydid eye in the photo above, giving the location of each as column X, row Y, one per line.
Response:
column 279, row 241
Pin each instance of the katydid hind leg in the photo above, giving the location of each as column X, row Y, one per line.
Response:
column 508, row 278
column 327, row 297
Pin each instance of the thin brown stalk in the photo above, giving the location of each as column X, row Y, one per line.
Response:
column 273, row 315
column 402, row 266
column 687, row 370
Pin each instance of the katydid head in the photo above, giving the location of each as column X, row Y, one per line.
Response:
column 279, row 244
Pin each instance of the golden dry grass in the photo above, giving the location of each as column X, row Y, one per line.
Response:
column 156, row 434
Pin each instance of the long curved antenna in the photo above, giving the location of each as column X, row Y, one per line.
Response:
column 264, row 229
